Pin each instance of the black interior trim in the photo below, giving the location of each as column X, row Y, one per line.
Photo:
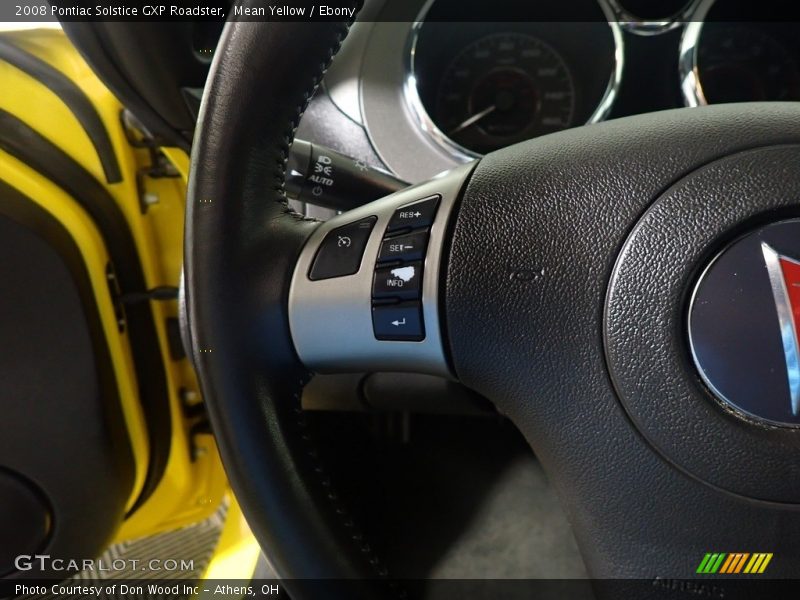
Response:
column 145, row 67
column 73, row 97
column 23, row 142
column 87, row 515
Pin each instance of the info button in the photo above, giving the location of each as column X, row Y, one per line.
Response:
column 398, row 282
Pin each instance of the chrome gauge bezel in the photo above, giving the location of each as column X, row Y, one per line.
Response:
column 691, row 83
column 689, row 72
column 650, row 27
column 461, row 154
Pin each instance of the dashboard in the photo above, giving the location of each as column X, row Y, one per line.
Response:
column 422, row 86
column 438, row 89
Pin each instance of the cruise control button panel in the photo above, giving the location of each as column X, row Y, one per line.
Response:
column 385, row 316
column 341, row 251
column 398, row 322
column 415, row 215
column 397, row 286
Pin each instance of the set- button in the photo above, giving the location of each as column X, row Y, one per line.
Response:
column 404, row 247
column 397, row 285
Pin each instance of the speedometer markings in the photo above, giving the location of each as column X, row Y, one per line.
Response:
column 504, row 88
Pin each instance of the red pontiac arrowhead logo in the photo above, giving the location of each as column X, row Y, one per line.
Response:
column 784, row 277
column 744, row 317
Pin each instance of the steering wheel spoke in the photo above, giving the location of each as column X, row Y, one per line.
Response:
column 366, row 292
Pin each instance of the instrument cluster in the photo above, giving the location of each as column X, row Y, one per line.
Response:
column 480, row 86
column 475, row 87
column 727, row 56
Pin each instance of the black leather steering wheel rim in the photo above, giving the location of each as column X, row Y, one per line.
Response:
column 518, row 312
column 253, row 382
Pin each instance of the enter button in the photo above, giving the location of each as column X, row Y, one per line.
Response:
column 398, row 282
column 399, row 322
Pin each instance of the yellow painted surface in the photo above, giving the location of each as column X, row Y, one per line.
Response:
column 179, row 159
column 237, row 550
column 192, row 487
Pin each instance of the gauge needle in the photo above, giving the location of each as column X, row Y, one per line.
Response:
column 474, row 119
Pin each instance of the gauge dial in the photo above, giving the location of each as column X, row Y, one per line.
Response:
column 738, row 64
column 502, row 89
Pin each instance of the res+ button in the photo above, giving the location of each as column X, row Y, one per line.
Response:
column 413, row 216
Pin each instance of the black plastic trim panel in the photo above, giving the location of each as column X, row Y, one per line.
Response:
column 92, row 439
column 21, row 141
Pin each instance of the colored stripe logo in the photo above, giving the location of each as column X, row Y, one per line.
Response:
column 734, row 563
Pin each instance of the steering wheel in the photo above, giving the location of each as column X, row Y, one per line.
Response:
column 561, row 278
